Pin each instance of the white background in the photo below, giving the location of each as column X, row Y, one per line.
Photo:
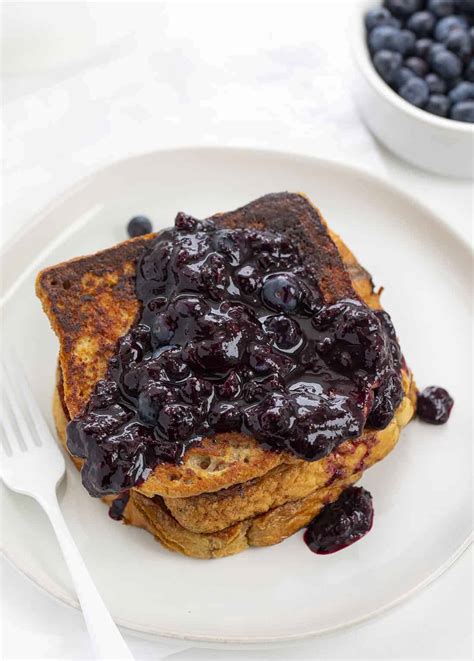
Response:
column 86, row 84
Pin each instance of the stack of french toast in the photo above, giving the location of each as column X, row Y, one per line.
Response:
column 228, row 491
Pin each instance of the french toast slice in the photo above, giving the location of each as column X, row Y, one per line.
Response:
column 91, row 303
column 252, row 497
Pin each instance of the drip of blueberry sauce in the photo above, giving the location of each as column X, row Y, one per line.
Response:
column 341, row 523
column 434, row 405
column 233, row 336
column 118, row 506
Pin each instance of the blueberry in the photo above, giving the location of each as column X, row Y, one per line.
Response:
column 435, row 50
column 401, row 77
column 441, row 7
column 284, row 332
column 386, row 37
column 459, row 41
column 151, row 401
column 438, row 104
column 194, row 390
column 423, row 48
column 225, row 417
column 173, row 364
column 463, row 111
column 138, row 226
column 421, row 23
column 403, row 8
column 387, row 63
column 469, row 70
column 436, row 84
column 434, row 405
column 274, row 416
column 463, row 91
column 247, row 279
column 214, row 275
column 261, row 359
column 341, row 523
column 445, row 25
column 415, row 91
column 417, row 65
column 163, row 328
column 281, row 292
column 176, row 421
column 380, row 16
column 230, row 388
column 185, row 223
column 446, row 64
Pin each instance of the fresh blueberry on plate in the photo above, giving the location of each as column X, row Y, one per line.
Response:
column 138, row 226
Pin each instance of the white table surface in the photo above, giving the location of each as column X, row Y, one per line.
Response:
column 245, row 74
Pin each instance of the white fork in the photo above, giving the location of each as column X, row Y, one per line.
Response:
column 32, row 464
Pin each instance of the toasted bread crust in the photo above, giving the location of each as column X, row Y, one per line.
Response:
column 265, row 529
column 90, row 302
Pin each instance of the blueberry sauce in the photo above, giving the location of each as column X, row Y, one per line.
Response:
column 118, row 506
column 434, row 405
column 341, row 523
column 234, row 335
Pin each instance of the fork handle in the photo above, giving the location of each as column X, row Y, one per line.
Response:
column 107, row 640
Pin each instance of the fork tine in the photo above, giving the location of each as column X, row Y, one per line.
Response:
column 16, row 411
column 5, row 444
column 11, row 434
column 14, row 366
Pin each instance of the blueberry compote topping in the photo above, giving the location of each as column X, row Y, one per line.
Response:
column 434, row 405
column 341, row 523
column 234, row 335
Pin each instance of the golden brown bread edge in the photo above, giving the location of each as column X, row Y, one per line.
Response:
column 212, row 512
column 265, row 529
column 285, row 483
column 91, row 302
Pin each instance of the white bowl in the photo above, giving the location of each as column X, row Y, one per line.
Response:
column 441, row 145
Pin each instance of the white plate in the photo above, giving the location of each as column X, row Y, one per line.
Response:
column 421, row 491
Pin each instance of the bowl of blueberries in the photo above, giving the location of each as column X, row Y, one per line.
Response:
column 415, row 60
